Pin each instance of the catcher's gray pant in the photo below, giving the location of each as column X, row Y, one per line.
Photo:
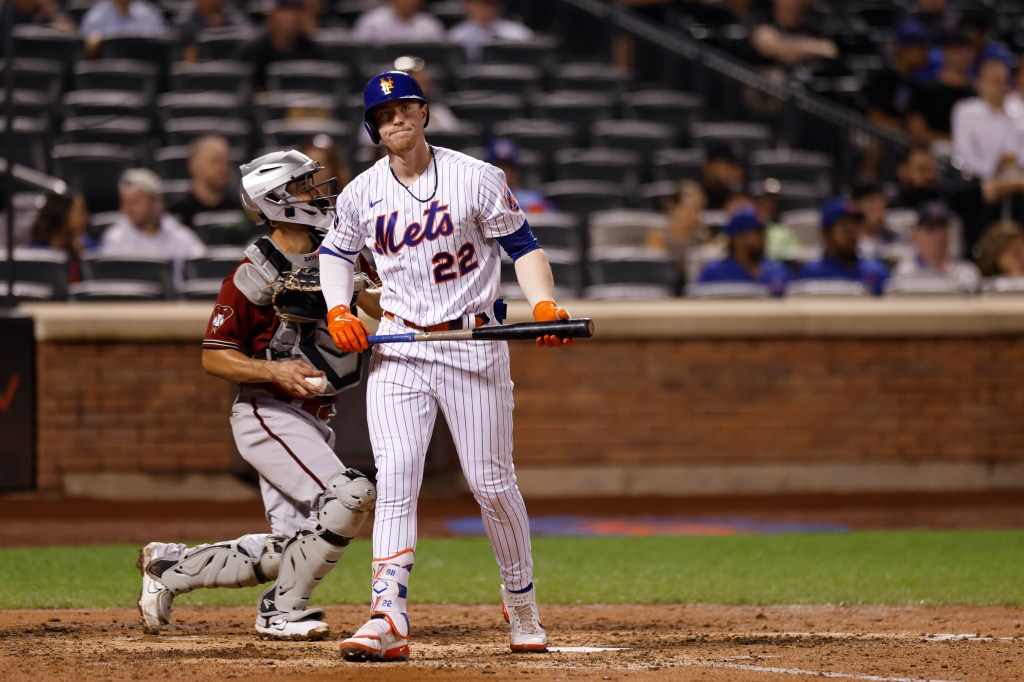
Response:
column 292, row 450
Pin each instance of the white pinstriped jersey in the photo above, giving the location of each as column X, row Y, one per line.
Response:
column 437, row 258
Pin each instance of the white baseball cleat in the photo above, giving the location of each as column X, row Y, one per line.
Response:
column 154, row 599
column 377, row 640
column 304, row 625
column 520, row 611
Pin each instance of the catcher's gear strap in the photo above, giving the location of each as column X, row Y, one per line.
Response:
column 390, row 588
column 310, row 554
column 225, row 564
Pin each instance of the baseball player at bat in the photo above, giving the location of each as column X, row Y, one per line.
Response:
column 267, row 332
column 435, row 220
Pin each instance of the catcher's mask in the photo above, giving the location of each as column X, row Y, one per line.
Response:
column 279, row 187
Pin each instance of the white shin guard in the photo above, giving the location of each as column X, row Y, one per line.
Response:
column 225, row 564
column 311, row 554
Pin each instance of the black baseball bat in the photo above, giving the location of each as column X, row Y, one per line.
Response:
column 581, row 328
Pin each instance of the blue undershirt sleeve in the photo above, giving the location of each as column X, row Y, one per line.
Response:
column 520, row 242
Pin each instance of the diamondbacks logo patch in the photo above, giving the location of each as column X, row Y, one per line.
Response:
column 221, row 313
column 510, row 201
column 387, row 85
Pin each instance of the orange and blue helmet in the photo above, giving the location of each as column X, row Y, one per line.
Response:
column 385, row 87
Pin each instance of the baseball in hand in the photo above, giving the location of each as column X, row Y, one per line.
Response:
column 318, row 383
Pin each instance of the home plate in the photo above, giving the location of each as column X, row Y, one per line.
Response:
column 587, row 649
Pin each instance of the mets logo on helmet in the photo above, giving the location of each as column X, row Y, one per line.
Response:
column 387, row 85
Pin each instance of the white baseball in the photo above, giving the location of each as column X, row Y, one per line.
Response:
column 319, row 383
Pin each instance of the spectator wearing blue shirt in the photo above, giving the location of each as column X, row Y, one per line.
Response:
column 109, row 18
column 746, row 261
column 841, row 223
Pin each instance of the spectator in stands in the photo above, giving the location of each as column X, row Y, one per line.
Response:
column 874, row 232
column 976, row 201
column 210, row 169
column 789, row 37
column 284, row 39
column 441, row 117
column 931, row 104
column 200, row 15
column 931, row 257
column 115, row 17
column 723, row 175
column 685, row 227
column 484, row 23
column 396, row 21
column 504, row 154
column 746, row 261
column 62, row 223
column 841, row 225
column 985, row 137
column 1001, row 250
column 976, row 23
column 781, row 243
column 144, row 228
column 37, row 12
column 887, row 95
column 321, row 148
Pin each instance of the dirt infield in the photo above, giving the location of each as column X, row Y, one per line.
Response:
column 679, row 642
column 882, row 644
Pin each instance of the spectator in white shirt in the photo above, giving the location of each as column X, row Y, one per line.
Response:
column 144, row 229
column 985, row 136
column 483, row 24
column 931, row 257
column 398, row 21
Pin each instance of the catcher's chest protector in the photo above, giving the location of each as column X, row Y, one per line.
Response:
column 290, row 282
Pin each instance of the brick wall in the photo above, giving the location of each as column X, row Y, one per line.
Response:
column 148, row 406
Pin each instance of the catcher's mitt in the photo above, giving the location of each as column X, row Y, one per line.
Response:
column 297, row 296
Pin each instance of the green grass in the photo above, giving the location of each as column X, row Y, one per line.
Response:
column 878, row 567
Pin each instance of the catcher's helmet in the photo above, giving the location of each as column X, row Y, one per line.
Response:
column 385, row 87
column 270, row 183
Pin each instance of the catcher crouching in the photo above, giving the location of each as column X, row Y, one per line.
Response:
column 268, row 333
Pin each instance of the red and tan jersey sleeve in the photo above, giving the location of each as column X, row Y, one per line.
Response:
column 237, row 324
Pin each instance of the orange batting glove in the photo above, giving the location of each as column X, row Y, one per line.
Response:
column 347, row 330
column 548, row 311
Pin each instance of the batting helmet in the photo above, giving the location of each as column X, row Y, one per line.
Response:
column 385, row 87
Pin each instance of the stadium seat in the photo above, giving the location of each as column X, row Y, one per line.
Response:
column 831, row 288
column 116, row 74
column 794, row 165
column 28, row 140
column 584, row 197
column 1002, row 286
column 219, row 228
column 655, row 195
column 125, row 131
column 539, row 51
column 271, row 105
column 486, row 108
column 748, row 137
column 795, row 195
column 671, row 107
column 172, row 105
column 223, row 43
column 624, row 228
column 678, row 164
column 645, row 137
column 441, row 57
column 108, row 103
column 116, row 290
column 309, row 76
column 561, row 231
column 216, row 263
column 718, row 290
column 566, row 269
column 542, row 135
column 42, row 75
column 293, row 132
column 468, row 135
column 499, row 78
column 805, row 224
column 148, row 47
column 42, row 42
column 602, row 77
column 153, row 271
column 611, row 165
column 43, row 267
column 923, row 286
column 582, row 107
column 223, row 75
column 172, row 162
column 94, row 170
column 183, row 130
column 33, row 104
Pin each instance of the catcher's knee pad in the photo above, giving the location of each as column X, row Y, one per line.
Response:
column 310, row 554
column 225, row 564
